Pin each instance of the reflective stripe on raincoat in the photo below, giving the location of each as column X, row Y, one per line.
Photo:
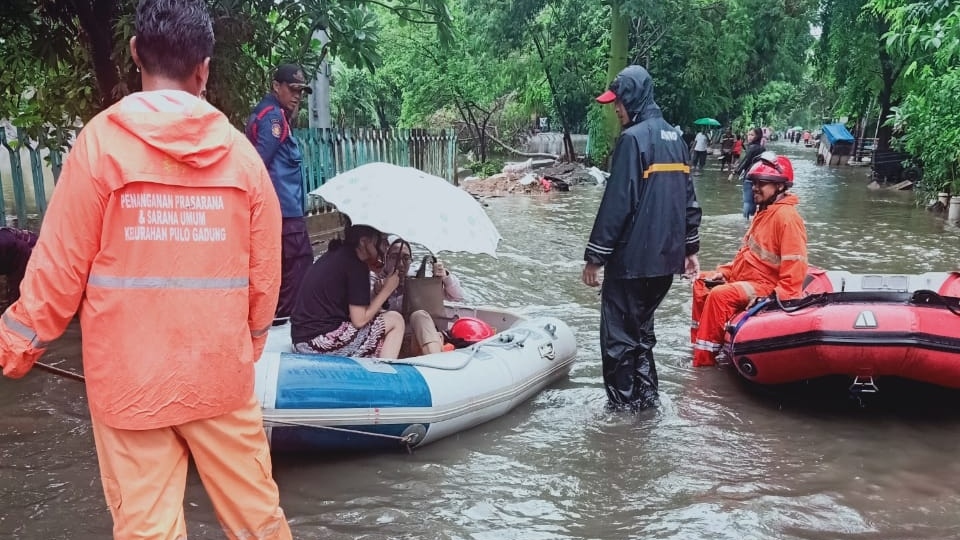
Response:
column 774, row 252
column 164, row 231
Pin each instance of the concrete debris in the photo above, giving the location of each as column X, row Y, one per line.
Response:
column 529, row 177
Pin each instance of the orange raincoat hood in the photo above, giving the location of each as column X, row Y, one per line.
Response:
column 178, row 124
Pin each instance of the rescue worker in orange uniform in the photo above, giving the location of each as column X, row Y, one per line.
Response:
column 772, row 260
column 164, row 232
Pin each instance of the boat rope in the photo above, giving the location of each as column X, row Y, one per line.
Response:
column 924, row 296
column 505, row 341
column 62, row 372
column 797, row 305
column 406, row 440
column 763, row 302
column 750, row 313
column 433, row 364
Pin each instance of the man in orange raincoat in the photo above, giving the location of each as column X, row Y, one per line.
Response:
column 772, row 260
column 164, row 231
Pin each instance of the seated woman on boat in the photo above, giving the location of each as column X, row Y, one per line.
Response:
column 427, row 339
column 334, row 313
column 771, row 261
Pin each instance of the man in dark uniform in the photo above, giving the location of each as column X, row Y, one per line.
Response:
column 646, row 230
column 268, row 128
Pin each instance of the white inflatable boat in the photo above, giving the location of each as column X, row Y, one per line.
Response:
column 317, row 403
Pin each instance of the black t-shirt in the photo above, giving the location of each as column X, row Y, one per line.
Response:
column 335, row 281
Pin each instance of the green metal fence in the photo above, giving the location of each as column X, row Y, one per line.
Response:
column 28, row 208
column 326, row 152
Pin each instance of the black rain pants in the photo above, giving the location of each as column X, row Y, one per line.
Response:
column 627, row 339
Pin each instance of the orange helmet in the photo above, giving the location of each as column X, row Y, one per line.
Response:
column 769, row 167
column 471, row 330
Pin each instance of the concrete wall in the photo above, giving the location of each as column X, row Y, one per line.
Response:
column 552, row 143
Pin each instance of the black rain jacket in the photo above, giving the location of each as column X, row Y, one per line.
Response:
column 649, row 218
column 754, row 150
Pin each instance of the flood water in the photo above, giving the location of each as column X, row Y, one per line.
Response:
column 718, row 461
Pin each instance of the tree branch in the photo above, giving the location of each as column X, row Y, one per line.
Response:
column 400, row 12
column 518, row 152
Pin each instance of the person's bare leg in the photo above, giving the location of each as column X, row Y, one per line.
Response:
column 393, row 338
column 425, row 332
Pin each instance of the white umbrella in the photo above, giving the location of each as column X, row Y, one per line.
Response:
column 419, row 207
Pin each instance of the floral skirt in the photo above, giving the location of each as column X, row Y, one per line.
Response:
column 348, row 340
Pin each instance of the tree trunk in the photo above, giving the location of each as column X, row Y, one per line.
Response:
column 98, row 19
column 617, row 60
column 568, row 151
column 382, row 116
column 482, row 133
column 888, row 74
column 567, row 154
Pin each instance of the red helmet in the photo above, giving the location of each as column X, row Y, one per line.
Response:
column 471, row 330
column 769, row 167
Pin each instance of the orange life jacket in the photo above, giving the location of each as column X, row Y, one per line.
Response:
column 164, row 230
column 774, row 251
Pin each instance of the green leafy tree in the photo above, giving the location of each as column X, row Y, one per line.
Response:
column 464, row 78
column 856, row 62
column 928, row 35
column 552, row 50
column 41, row 38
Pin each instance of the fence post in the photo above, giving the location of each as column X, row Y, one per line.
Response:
column 349, row 156
column 394, row 153
column 452, row 156
column 304, row 142
column 16, row 170
column 329, row 156
column 378, row 144
column 36, row 170
column 3, row 202
column 56, row 163
column 336, row 137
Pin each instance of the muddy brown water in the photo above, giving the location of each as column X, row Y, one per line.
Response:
column 718, row 461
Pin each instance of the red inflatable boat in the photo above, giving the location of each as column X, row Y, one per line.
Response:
column 864, row 326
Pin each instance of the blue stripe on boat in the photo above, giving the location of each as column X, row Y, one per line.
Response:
column 301, row 439
column 312, row 381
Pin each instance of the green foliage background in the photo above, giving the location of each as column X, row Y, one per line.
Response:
column 491, row 67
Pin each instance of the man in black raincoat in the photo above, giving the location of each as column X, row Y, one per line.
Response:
column 646, row 231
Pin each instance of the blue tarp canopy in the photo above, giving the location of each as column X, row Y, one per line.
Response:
column 837, row 133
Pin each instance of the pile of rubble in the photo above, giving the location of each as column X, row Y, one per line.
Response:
column 533, row 177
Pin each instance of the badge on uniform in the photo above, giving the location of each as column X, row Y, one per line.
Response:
column 276, row 129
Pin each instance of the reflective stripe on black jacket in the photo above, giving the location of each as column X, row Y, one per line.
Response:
column 649, row 218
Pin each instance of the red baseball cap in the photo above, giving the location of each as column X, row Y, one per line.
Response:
column 607, row 97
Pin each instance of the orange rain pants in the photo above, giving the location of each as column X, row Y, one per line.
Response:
column 712, row 308
column 144, row 475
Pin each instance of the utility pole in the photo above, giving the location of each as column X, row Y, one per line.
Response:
column 320, row 99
